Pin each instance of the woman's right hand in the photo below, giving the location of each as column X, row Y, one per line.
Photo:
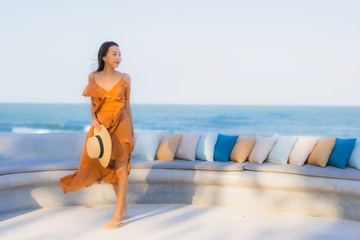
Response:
column 96, row 124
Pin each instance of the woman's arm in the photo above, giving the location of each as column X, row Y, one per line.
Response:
column 127, row 101
column 94, row 121
column 128, row 109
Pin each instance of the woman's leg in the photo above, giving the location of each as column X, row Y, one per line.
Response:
column 116, row 187
column 121, row 191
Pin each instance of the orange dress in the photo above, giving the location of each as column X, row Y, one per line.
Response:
column 109, row 107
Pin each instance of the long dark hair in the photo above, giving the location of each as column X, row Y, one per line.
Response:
column 102, row 53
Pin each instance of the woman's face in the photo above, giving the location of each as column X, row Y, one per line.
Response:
column 113, row 57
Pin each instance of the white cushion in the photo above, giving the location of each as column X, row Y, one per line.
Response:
column 146, row 145
column 281, row 150
column 187, row 146
column 262, row 148
column 136, row 133
column 206, row 146
column 302, row 149
column 354, row 160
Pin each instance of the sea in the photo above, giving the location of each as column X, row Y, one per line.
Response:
column 326, row 121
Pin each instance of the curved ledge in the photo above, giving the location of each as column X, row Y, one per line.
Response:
column 248, row 189
column 29, row 180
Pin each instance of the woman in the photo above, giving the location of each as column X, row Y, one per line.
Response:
column 110, row 106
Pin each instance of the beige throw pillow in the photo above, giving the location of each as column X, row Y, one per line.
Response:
column 167, row 147
column 242, row 148
column 321, row 153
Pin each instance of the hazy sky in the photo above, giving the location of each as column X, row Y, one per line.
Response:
column 185, row 51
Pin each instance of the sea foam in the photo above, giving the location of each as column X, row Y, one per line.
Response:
column 29, row 130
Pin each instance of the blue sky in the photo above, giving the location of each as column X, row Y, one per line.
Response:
column 185, row 52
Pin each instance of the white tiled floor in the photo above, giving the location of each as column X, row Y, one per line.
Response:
column 151, row 221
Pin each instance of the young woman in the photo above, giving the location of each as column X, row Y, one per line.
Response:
column 110, row 106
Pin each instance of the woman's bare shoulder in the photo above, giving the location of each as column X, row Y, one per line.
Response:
column 91, row 76
column 127, row 78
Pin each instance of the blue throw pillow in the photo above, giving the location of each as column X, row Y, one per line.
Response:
column 341, row 153
column 223, row 147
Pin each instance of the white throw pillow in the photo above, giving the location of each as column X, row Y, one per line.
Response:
column 206, row 146
column 146, row 145
column 187, row 146
column 354, row 160
column 262, row 148
column 136, row 133
column 281, row 150
column 302, row 149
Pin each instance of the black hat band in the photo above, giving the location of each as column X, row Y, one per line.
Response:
column 101, row 146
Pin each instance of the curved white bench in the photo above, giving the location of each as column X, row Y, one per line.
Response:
column 308, row 189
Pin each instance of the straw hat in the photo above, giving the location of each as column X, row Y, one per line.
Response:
column 99, row 146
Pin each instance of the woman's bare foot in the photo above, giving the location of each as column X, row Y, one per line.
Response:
column 113, row 224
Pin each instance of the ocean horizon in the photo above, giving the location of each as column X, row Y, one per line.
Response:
column 327, row 121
